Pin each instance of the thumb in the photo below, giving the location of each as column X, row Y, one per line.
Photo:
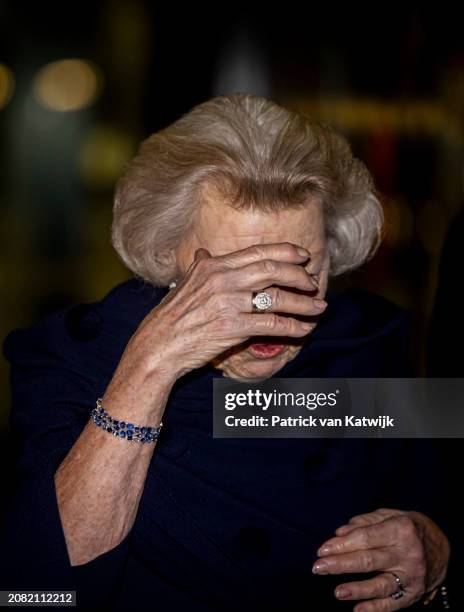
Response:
column 201, row 254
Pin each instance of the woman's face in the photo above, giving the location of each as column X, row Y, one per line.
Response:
column 220, row 229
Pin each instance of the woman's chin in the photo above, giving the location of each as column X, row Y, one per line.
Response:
column 257, row 362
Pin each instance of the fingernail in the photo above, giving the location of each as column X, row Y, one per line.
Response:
column 320, row 568
column 307, row 326
column 302, row 252
column 320, row 303
column 342, row 593
column 326, row 550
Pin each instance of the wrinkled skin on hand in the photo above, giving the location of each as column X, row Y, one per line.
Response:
column 209, row 311
column 388, row 540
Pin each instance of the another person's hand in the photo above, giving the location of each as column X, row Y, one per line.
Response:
column 409, row 544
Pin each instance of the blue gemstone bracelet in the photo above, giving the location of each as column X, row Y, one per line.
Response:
column 121, row 429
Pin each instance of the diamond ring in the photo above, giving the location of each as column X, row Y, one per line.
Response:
column 260, row 301
column 400, row 591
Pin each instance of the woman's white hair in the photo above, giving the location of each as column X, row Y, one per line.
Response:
column 258, row 155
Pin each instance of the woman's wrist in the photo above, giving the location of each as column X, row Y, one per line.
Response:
column 131, row 432
column 139, row 392
column 437, row 599
column 163, row 369
column 152, row 359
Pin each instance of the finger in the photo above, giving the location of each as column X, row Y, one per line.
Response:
column 387, row 604
column 264, row 324
column 360, row 561
column 375, row 516
column 279, row 251
column 285, row 301
column 263, row 274
column 380, row 586
column 379, row 535
column 369, row 518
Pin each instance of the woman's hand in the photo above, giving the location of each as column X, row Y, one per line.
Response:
column 210, row 310
column 407, row 543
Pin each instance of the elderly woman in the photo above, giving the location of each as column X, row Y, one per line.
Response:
column 133, row 503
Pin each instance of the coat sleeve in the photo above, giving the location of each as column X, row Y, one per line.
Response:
column 52, row 395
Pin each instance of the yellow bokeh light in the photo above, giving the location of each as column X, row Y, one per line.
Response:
column 67, row 85
column 105, row 152
column 7, row 85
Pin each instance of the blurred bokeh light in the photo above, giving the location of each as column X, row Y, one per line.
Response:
column 79, row 91
column 104, row 153
column 7, row 85
column 67, row 85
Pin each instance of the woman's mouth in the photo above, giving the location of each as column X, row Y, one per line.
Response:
column 265, row 350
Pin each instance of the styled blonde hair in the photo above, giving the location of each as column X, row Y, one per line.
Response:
column 258, row 155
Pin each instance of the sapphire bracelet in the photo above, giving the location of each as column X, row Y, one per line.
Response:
column 121, row 429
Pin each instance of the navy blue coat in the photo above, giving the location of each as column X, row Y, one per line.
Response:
column 222, row 522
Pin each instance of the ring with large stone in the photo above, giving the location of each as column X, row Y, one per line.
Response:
column 261, row 301
column 400, row 591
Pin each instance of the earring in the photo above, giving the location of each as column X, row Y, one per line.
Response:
column 173, row 285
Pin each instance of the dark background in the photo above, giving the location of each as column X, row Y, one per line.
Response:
column 390, row 78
